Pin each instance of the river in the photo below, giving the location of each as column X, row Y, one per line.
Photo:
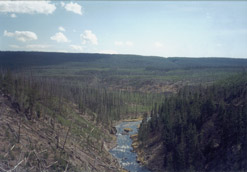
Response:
column 123, row 151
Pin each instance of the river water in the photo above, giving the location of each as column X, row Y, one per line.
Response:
column 123, row 150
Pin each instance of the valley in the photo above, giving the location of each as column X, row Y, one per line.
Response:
column 59, row 111
column 123, row 86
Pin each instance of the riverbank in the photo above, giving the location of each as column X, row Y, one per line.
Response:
column 113, row 143
column 123, row 151
column 150, row 153
column 135, row 145
column 133, row 120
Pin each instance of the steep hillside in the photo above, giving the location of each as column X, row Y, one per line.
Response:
column 199, row 129
column 47, row 133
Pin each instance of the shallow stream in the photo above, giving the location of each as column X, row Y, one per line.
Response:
column 123, row 151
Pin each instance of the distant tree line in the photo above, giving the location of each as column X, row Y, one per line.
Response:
column 21, row 59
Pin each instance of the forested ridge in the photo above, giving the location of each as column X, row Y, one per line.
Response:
column 18, row 59
column 198, row 129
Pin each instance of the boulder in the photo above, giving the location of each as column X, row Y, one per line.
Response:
column 113, row 130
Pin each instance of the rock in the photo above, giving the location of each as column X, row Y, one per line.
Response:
column 127, row 129
column 135, row 142
column 113, row 130
column 133, row 120
column 135, row 145
column 134, row 137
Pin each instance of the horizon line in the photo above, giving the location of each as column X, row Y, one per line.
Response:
column 220, row 57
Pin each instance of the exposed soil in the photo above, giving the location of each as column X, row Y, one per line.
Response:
column 37, row 145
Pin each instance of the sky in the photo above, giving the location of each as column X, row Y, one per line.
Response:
column 158, row 28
